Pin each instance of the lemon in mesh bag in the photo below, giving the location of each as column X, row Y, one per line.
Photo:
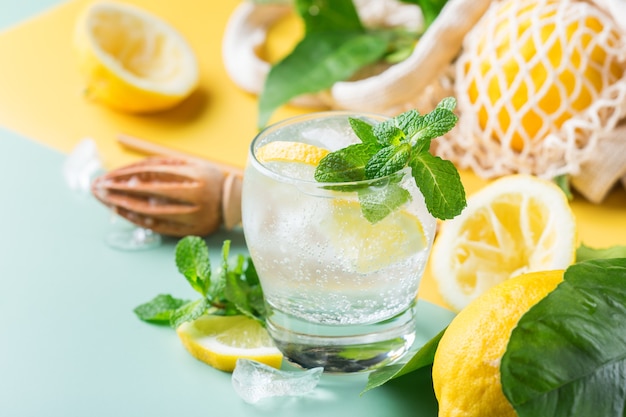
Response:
column 536, row 80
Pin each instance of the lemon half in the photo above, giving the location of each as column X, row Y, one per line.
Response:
column 220, row 340
column 514, row 225
column 132, row 60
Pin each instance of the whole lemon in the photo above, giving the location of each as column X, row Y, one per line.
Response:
column 466, row 368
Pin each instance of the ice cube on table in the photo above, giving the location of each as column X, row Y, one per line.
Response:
column 254, row 381
column 82, row 165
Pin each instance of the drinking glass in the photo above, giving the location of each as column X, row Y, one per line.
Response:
column 340, row 291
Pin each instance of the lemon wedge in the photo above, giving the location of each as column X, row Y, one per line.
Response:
column 514, row 225
column 286, row 151
column 220, row 340
column 373, row 246
column 132, row 60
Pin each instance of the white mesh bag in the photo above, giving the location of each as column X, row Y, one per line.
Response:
column 541, row 86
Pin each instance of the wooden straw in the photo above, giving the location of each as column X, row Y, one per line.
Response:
column 150, row 148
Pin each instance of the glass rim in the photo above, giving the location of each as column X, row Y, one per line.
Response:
column 264, row 170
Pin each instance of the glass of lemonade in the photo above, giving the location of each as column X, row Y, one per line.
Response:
column 340, row 291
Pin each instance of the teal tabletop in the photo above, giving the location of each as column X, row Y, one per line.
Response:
column 70, row 344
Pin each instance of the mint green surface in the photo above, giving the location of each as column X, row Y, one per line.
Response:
column 70, row 344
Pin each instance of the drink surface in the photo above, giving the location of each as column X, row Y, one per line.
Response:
column 318, row 258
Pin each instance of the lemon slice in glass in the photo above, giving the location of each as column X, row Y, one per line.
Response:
column 516, row 224
column 373, row 246
column 220, row 340
column 132, row 60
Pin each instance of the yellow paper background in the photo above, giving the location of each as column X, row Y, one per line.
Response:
column 41, row 98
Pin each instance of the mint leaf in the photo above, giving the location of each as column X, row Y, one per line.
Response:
column 346, row 164
column 379, row 202
column 424, row 357
column 436, row 123
column 567, row 354
column 387, row 161
column 388, row 133
column 316, row 63
column 363, row 131
column 586, row 253
column 188, row 312
column 159, row 309
column 440, row 184
column 192, row 260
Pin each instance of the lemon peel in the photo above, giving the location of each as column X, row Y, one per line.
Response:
column 466, row 367
column 516, row 224
column 286, row 151
column 132, row 60
column 220, row 340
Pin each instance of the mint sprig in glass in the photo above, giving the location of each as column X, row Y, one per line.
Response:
column 391, row 146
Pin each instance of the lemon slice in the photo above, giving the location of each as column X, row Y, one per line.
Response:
column 285, row 151
column 132, row 60
column 373, row 246
column 220, row 340
column 514, row 225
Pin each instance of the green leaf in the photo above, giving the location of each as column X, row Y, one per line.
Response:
column 430, row 9
column 389, row 133
column 159, row 309
column 440, row 183
column 188, row 312
column 436, row 123
column 586, row 253
column 378, row 202
column 422, row 358
column 363, row 131
column 321, row 16
column 192, row 260
column 346, row 164
column 316, row 63
column 387, row 161
column 567, row 354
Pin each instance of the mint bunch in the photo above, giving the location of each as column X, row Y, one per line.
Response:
column 389, row 147
column 231, row 290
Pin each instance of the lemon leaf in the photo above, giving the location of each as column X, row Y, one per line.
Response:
column 585, row 253
column 571, row 346
column 316, row 63
column 422, row 358
column 328, row 15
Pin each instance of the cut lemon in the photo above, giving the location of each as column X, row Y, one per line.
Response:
column 285, row 151
column 132, row 60
column 220, row 340
column 514, row 225
column 373, row 246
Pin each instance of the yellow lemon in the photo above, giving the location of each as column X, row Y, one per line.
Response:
column 220, row 340
column 373, row 246
column 286, row 151
column 466, row 368
column 516, row 224
column 132, row 60
column 536, row 63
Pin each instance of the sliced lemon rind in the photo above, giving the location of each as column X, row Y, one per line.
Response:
column 451, row 240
